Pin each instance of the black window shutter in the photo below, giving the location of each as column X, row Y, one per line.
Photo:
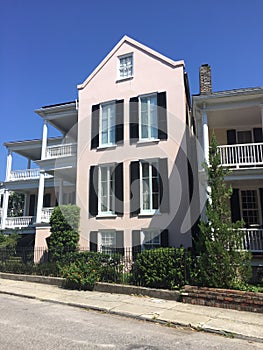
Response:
column 95, row 125
column 119, row 121
column 136, row 243
column 120, row 242
column 162, row 116
column 231, row 137
column 119, row 189
column 93, row 191
column 258, row 136
column 134, row 119
column 235, row 205
column 93, row 241
column 134, row 188
column 164, row 186
column 164, row 238
column 261, row 202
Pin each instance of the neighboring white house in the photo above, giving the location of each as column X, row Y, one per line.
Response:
column 236, row 118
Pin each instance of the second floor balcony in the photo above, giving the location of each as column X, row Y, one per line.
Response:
column 241, row 155
column 65, row 150
column 26, row 174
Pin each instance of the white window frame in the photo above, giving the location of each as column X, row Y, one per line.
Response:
column 258, row 205
column 130, row 75
column 110, row 196
column 155, row 233
column 150, row 127
column 113, row 143
column 101, row 247
column 151, row 210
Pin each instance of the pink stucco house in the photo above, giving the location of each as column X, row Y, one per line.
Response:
column 125, row 157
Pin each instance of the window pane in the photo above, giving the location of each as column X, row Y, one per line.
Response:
column 126, row 66
column 107, row 124
column 244, row 136
column 250, row 212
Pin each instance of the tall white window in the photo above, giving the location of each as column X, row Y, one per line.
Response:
column 107, row 124
column 148, row 117
column 250, row 207
column 107, row 241
column 126, row 66
column 150, row 187
column 106, row 190
column 150, row 239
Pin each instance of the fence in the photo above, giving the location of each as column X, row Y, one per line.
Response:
column 117, row 264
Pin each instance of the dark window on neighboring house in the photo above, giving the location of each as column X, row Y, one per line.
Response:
column 47, row 200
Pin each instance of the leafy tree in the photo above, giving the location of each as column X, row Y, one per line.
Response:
column 64, row 236
column 222, row 261
column 16, row 204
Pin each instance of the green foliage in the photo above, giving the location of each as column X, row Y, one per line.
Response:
column 64, row 236
column 222, row 262
column 87, row 268
column 162, row 268
column 16, row 204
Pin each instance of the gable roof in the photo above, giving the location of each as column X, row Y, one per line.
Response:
column 136, row 44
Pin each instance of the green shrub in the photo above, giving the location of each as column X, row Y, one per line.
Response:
column 162, row 268
column 87, row 268
column 64, row 237
column 47, row 269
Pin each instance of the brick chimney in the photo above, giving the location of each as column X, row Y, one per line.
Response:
column 205, row 80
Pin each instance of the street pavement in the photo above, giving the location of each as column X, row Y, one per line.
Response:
column 241, row 324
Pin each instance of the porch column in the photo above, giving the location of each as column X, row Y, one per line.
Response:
column 25, row 204
column 8, row 165
column 40, row 195
column 205, row 136
column 60, row 195
column 5, row 208
column 44, row 140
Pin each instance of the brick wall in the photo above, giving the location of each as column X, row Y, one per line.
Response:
column 224, row 298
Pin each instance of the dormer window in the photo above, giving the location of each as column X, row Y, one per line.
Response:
column 126, row 66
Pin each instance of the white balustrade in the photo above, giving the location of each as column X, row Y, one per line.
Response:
column 18, row 222
column 46, row 214
column 26, row 174
column 65, row 150
column 253, row 240
column 248, row 154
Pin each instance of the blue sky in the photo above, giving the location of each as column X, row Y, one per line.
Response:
column 48, row 47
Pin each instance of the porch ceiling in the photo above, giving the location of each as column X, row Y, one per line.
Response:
column 233, row 118
column 30, row 149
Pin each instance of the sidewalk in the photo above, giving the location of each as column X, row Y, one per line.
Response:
column 223, row 321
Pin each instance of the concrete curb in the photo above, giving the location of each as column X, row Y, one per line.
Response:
column 99, row 287
column 127, row 289
column 54, row 281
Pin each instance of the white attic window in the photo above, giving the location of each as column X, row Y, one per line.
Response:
column 126, row 66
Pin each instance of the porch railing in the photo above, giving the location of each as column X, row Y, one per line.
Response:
column 46, row 214
column 253, row 240
column 247, row 154
column 26, row 174
column 65, row 150
column 18, row 222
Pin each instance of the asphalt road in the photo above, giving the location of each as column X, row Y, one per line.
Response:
column 31, row 324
